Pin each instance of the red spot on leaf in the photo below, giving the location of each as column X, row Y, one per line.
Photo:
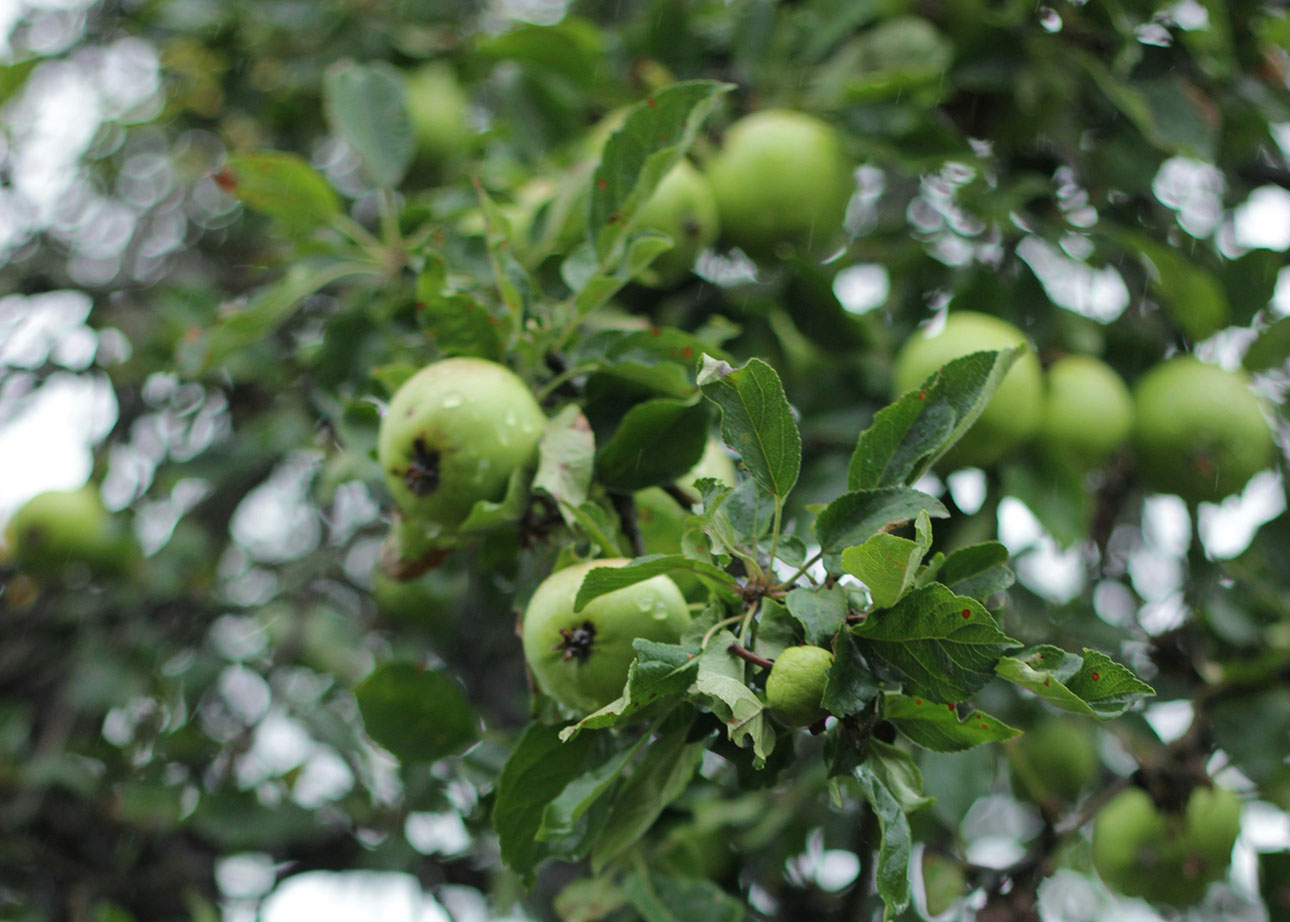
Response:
column 651, row 102
column 967, row 613
column 950, row 707
column 984, row 727
column 918, row 701
column 1046, row 681
column 601, row 184
column 1096, row 677
column 654, row 331
column 492, row 320
column 226, row 180
column 922, row 395
column 614, row 217
column 687, row 352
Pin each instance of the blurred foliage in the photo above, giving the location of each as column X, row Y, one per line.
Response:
column 274, row 237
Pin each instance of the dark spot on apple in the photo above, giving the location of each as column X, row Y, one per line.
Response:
column 577, row 641
column 422, row 475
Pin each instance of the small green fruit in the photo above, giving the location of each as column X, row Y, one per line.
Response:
column 1055, row 762
column 1199, row 431
column 1166, row 858
column 1013, row 413
column 661, row 519
column 781, row 177
column 796, row 684
column 61, row 527
column 683, row 207
column 437, row 110
column 453, row 435
column 1088, row 412
column 581, row 658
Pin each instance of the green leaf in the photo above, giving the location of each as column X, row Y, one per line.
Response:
column 238, row 328
column 900, row 773
column 283, row 186
column 1106, row 686
column 938, row 727
column 661, row 898
column 851, row 685
column 655, row 134
column 486, row 514
column 457, row 323
column 539, row 768
column 821, row 612
column 908, row 436
column 1271, row 349
column 367, row 106
column 600, row 580
column 1190, row 294
column 722, row 686
column 1066, row 681
column 597, row 289
column 897, row 841
column 513, row 283
column 855, row 517
column 656, row 442
column 13, row 77
column 979, row 570
column 661, row 776
column 660, row 671
column 418, row 714
column 572, row 48
column 756, row 421
column 561, row 816
column 565, row 460
column 946, row 645
column 887, row 565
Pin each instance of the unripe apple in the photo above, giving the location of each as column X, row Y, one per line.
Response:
column 1166, row 858
column 437, row 110
column 1055, row 762
column 683, row 207
column 661, row 520
column 61, row 527
column 1013, row 413
column 796, row 684
column 781, row 177
column 1199, row 431
column 1088, row 412
column 581, row 658
column 453, row 435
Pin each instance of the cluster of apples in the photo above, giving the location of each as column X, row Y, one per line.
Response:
column 1196, row 430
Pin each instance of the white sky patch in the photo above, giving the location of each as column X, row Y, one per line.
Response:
column 1096, row 293
column 1170, row 719
column 1055, row 574
column 352, row 896
column 967, row 487
column 1228, row 528
column 1194, row 190
column 862, row 288
column 46, row 446
column 1264, row 219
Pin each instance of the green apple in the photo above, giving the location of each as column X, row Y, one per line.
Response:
column 1014, row 412
column 683, row 207
column 581, row 658
column 661, row 520
column 781, row 178
column 453, row 435
column 437, row 109
column 1088, row 412
column 61, row 527
column 1166, row 858
column 1198, row 431
column 796, row 684
column 1054, row 763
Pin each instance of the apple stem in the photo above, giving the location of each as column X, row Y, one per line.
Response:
column 744, row 653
